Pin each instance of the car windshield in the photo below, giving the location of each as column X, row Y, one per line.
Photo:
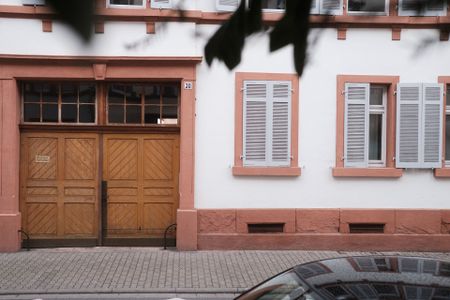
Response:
column 286, row 286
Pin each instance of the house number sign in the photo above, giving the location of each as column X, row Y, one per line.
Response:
column 188, row 85
column 42, row 159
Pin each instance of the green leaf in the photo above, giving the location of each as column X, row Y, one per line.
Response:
column 78, row 14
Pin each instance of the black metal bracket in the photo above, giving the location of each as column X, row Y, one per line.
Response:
column 166, row 231
column 27, row 237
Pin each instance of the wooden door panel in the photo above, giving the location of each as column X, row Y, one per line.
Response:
column 80, row 219
column 122, row 159
column 59, row 185
column 80, row 159
column 142, row 175
column 42, row 158
column 41, row 219
column 158, row 163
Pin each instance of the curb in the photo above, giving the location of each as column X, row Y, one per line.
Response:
column 127, row 291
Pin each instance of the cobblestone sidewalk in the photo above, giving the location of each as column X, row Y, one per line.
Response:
column 149, row 270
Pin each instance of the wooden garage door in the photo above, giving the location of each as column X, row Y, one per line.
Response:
column 141, row 172
column 59, row 185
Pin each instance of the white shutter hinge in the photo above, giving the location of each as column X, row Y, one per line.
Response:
column 243, row 89
column 343, row 158
column 291, row 157
column 395, row 93
column 343, row 92
column 241, row 156
column 393, row 158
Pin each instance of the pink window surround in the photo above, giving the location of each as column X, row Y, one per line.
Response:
column 389, row 170
column 445, row 171
column 239, row 169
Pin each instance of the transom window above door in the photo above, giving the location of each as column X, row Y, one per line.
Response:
column 143, row 104
column 59, row 102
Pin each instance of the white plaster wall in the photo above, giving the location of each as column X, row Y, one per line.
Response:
column 25, row 36
column 365, row 52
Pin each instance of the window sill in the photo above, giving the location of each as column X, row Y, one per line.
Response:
column 368, row 172
column 442, row 173
column 266, row 171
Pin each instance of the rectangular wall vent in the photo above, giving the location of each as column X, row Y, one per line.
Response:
column 366, row 228
column 266, row 228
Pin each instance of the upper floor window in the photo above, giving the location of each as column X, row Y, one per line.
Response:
column 273, row 4
column 58, row 102
column 372, row 7
column 365, row 125
column 327, row 7
column 422, row 7
column 447, row 129
column 143, row 104
column 126, row 3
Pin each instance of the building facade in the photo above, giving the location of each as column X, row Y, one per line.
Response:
column 109, row 143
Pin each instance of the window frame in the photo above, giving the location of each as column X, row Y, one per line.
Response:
column 444, row 172
column 425, row 13
column 274, row 10
column 142, row 105
column 447, row 113
column 239, row 169
column 388, row 170
column 368, row 13
column 126, row 6
column 379, row 110
column 59, row 104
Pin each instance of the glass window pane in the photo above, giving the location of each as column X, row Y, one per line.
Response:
column 366, row 5
column 152, row 114
column 69, row 93
column 87, row 113
column 274, row 4
column 447, row 138
column 133, row 114
column 375, row 136
column 376, row 95
column 116, row 93
column 49, row 113
column 170, row 95
column 87, row 93
column 152, row 94
column 169, row 115
column 32, row 92
column 69, row 113
column 31, row 112
column 133, row 95
column 50, row 92
column 116, row 114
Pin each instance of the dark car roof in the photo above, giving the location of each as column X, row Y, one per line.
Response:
column 378, row 277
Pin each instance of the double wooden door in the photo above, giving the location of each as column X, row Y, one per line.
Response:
column 62, row 175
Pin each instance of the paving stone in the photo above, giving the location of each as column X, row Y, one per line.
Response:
column 132, row 270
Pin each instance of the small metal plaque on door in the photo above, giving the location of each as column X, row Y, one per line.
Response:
column 42, row 158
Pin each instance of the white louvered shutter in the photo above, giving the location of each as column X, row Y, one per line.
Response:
column 331, row 7
column 432, row 8
column 281, row 125
column 356, row 125
column 432, row 125
column 227, row 5
column 255, row 123
column 314, row 7
column 408, row 143
column 161, row 3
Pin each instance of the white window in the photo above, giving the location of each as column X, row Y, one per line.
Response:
column 33, row 2
column 447, row 129
column 413, row 265
column 326, row 7
column 273, row 4
column 368, row 7
column 161, row 3
column 369, row 264
column 365, row 125
column 227, row 5
column 125, row 3
column 267, row 123
column 422, row 7
column 419, row 125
